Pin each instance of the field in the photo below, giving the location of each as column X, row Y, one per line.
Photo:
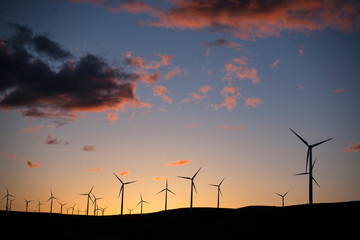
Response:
column 299, row 221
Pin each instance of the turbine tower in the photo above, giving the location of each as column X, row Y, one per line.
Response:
column 7, row 198
column 95, row 203
column 192, row 187
column 51, row 198
column 141, row 202
column 166, row 189
column 27, row 204
column 88, row 197
column 282, row 197
column 309, row 162
column 122, row 190
column 219, row 191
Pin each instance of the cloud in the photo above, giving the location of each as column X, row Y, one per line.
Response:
column 252, row 102
column 341, row 90
column 89, row 148
column 31, row 86
column 32, row 130
column 172, row 73
column 33, row 165
column 239, row 69
column 301, row 50
column 178, row 163
column 205, row 89
column 159, row 178
column 124, row 173
column 231, row 95
column 161, row 91
column 275, row 64
column 227, row 127
column 95, row 169
column 52, row 140
column 193, row 125
column 221, row 42
column 353, row 148
column 8, row 156
column 197, row 97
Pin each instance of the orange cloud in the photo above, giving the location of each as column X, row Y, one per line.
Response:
column 230, row 101
column 227, row 127
column 178, row 163
column 338, row 90
column 252, row 102
column 95, row 169
column 354, row 148
column 300, row 50
column 205, row 89
column 124, row 173
column 240, row 70
column 275, row 64
column 173, row 72
column 159, row 178
column 32, row 130
column 89, row 148
column 111, row 117
column 160, row 91
column 33, row 165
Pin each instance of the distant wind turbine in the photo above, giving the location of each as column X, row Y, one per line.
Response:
column 130, row 210
column 7, row 198
column 192, row 187
column 72, row 209
column 141, row 202
column 122, row 190
column 51, row 198
column 88, row 197
column 27, row 204
column 61, row 206
column 103, row 210
column 39, row 204
column 166, row 189
column 282, row 197
column 95, row 203
column 309, row 162
column 10, row 201
column 219, row 191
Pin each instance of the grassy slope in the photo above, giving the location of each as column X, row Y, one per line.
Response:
column 320, row 220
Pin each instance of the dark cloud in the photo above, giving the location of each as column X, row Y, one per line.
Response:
column 30, row 85
column 220, row 42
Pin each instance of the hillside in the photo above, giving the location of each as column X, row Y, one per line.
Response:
column 322, row 220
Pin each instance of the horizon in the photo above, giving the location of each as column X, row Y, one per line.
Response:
column 151, row 90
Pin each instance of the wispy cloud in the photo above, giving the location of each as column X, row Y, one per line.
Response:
column 52, row 140
column 124, row 173
column 32, row 130
column 178, row 162
column 252, row 102
column 33, row 165
column 340, row 90
column 172, row 73
column 159, row 178
column 161, row 91
column 352, row 148
column 239, row 69
column 89, row 148
column 275, row 64
column 95, row 169
column 231, row 128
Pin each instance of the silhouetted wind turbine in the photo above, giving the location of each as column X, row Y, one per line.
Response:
column 166, row 189
column 130, row 210
column 309, row 161
column 141, row 202
column 88, row 197
column 103, row 210
column 219, row 191
column 282, row 197
column 51, row 198
column 39, row 204
column 72, row 209
column 192, row 187
column 122, row 190
column 61, row 206
column 7, row 198
column 27, row 204
column 95, row 203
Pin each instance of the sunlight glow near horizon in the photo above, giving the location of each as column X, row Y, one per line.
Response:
column 223, row 99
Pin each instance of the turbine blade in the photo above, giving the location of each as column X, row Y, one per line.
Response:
column 307, row 159
column 305, row 173
column 300, row 137
column 121, row 189
column 161, row 191
column 138, row 203
column 213, row 185
column 118, row 178
column 184, row 177
column 91, row 189
column 313, row 164
column 220, row 191
column 315, row 182
column 171, row 191
column 81, row 194
column 278, row 194
column 193, row 184
column 130, row 182
column 221, row 182
column 314, row 145
column 196, row 173
column 286, row 193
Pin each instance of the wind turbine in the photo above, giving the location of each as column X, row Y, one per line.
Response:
column 282, row 197
column 88, row 197
column 61, row 206
column 72, row 209
column 141, row 202
column 103, row 210
column 309, row 162
column 130, row 210
column 219, row 191
column 95, row 205
column 192, row 187
column 11, row 200
column 51, row 198
column 7, row 198
column 27, row 204
column 166, row 189
column 122, row 190
column 39, row 204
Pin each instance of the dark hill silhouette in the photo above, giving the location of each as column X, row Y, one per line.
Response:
column 317, row 220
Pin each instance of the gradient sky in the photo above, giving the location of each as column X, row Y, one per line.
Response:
column 169, row 86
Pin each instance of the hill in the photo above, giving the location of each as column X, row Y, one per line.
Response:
column 319, row 220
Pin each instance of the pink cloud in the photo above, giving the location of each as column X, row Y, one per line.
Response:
column 178, row 163
column 338, row 90
column 205, row 89
column 172, row 73
column 124, row 173
column 239, row 69
column 231, row 95
column 227, row 127
column 161, row 91
column 89, row 148
column 32, row 130
column 252, row 102
column 111, row 117
column 33, row 165
column 301, row 50
column 353, row 148
column 275, row 64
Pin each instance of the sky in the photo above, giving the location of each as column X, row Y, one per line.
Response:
column 151, row 90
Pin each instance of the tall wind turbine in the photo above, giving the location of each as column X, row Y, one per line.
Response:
column 61, row 206
column 88, row 197
column 141, row 202
column 122, row 190
column 219, row 191
column 309, row 162
column 282, row 197
column 51, row 198
column 166, row 189
column 192, row 187
column 27, row 204
column 7, row 198
column 39, row 204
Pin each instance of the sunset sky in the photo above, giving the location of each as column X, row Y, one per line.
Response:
column 152, row 90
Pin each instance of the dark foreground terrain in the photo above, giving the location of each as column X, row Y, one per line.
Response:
column 319, row 220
